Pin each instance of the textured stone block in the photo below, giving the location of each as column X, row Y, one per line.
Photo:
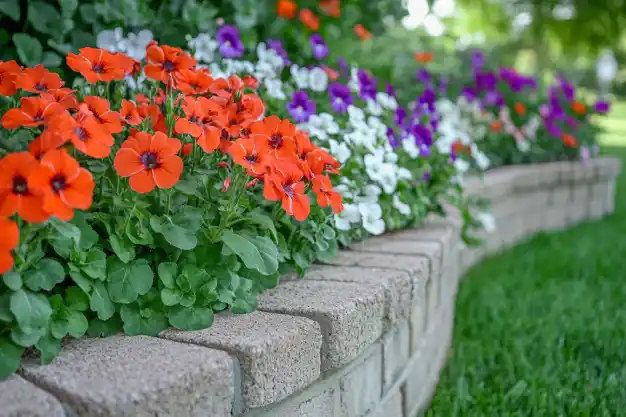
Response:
column 351, row 315
column 390, row 407
column 138, row 376
column 397, row 285
column 279, row 354
column 608, row 167
column 321, row 403
column 396, row 351
column 415, row 265
column 419, row 319
column 560, row 197
column 610, row 197
column 361, row 388
column 19, row 397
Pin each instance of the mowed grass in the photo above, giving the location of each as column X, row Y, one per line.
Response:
column 540, row 329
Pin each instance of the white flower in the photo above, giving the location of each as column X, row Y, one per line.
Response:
column 344, row 190
column 371, row 214
column 356, row 115
column 387, row 101
column 487, row 221
column 300, row 76
column 481, row 159
column 411, row 147
column 111, row 40
column 274, row 88
column 318, row 79
column 269, row 56
column 403, row 208
column 351, row 214
column 461, row 165
column 523, row 145
column 204, row 47
column 374, row 108
column 135, row 44
column 404, row 174
column 340, row 151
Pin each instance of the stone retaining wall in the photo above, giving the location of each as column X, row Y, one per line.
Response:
column 364, row 336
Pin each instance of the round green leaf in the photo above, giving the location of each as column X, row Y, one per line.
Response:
column 126, row 282
column 10, row 8
column 148, row 324
column 167, row 273
column 170, row 296
column 31, row 310
column 10, row 356
column 12, row 280
column 256, row 252
column 76, row 299
column 45, row 275
column 191, row 318
column 101, row 303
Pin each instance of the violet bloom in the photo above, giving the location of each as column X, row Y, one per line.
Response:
column 301, row 107
column 602, row 106
column 443, row 86
column 340, row 97
column 367, row 85
column 478, row 60
column 231, row 45
column 427, row 99
column 425, row 151
column 422, row 134
column 391, row 137
column 469, row 93
column 424, row 76
column 399, row 116
column 390, row 90
column 344, row 68
column 277, row 46
column 567, row 88
column 320, row 49
column 485, row 80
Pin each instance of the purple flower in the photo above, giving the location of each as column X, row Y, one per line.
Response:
column 367, row 85
column 320, row 49
column 277, row 46
column 425, row 151
column 391, row 137
column 231, row 45
column 340, row 97
column 485, row 80
column 301, row 107
column 344, row 68
column 426, row 176
column 469, row 93
column 424, row 76
column 478, row 60
column 567, row 88
column 390, row 90
column 602, row 106
column 399, row 116
column 443, row 86
column 422, row 134
column 553, row 128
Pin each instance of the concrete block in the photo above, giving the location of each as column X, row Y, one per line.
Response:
column 608, row 167
column 351, row 315
column 397, row 285
column 417, row 266
column 136, row 377
column 396, row 352
column 279, row 354
column 560, row 197
column 19, row 397
column 318, row 403
column 361, row 388
column 390, row 407
column 609, row 207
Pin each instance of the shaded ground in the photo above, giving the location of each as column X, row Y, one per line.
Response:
column 541, row 329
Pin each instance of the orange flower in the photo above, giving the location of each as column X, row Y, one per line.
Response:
column 9, row 71
column 101, row 110
column 361, row 32
column 569, row 140
column 15, row 194
column 154, row 113
column 64, row 96
column 187, row 149
column 286, row 185
column 423, row 57
column 245, row 152
column 332, row 74
column 495, row 126
column 204, row 120
column 164, row 61
column 323, row 189
column 322, row 162
column 275, row 137
column 149, row 160
column 89, row 136
column 38, row 79
column 309, row 19
column 99, row 65
column 579, row 108
column 250, row 82
column 459, row 147
column 331, row 7
column 35, row 111
column 520, row 108
column 286, row 9
column 45, row 142
column 129, row 114
column 226, row 90
column 63, row 183
column 9, row 240
column 193, row 82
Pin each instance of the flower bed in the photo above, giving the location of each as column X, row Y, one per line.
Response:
column 365, row 335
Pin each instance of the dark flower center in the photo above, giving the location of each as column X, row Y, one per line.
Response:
column 276, row 140
column 81, row 133
column 41, row 87
column 288, row 190
column 149, row 160
column 38, row 117
column 98, row 68
column 252, row 158
column 20, row 186
column 57, row 183
column 169, row 66
column 225, row 135
column 194, row 119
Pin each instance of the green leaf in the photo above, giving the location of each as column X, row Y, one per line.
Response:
column 45, row 18
column 45, row 275
column 170, row 296
column 76, row 299
column 66, row 321
column 10, row 8
column 68, row 7
column 142, row 321
column 101, row 303
column 87, row 236
column 256, row 216
column 5, row 308
column 10, row 357
column 191, row 318
column 82, row 281
column 180, row 229
column 187, row 299
column 12, row 280
column 66, row 229
column 195, row 276
column 126, row 282
column 256, row 252
column 32, row 311
column 167, row 273
column 48, row 346
column 123, row 248
column 187, row 186
column 51, row 60
column 27, row 338
column 102, row 328
column 29, row 50
column 95, row 264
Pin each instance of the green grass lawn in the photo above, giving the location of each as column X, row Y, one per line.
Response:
column 541, row 329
